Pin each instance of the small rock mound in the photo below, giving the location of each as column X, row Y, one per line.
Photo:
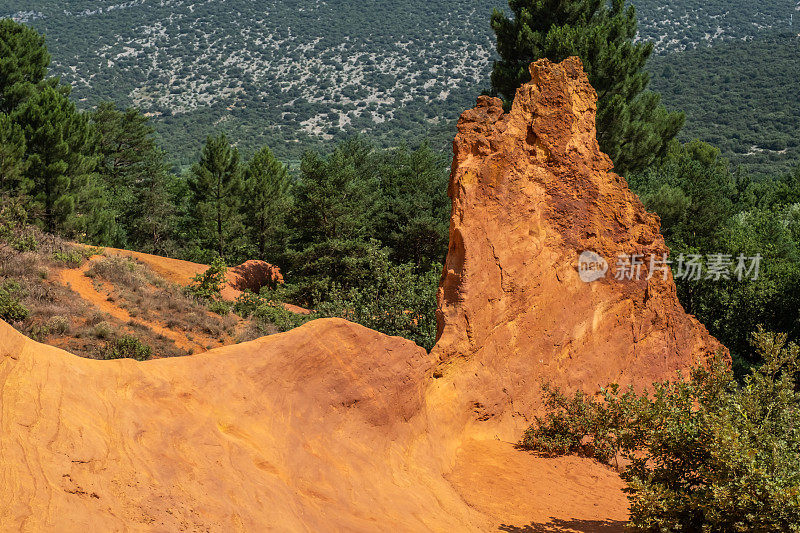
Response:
column 252, row 275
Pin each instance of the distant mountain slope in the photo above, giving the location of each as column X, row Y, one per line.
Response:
column 273, row 71
column 742, row 97
column 295, row 74
column 686, row 24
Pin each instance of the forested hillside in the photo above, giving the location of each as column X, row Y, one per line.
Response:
column 741, row 96
column 279, row 73
column 687, row 24
column 296, row 74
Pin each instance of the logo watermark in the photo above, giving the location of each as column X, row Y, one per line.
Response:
column 592, row 267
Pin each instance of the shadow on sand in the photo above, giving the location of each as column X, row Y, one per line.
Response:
column 556, row 525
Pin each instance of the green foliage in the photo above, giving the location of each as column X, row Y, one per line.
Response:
column 336, row 197
column 266, row 199
column 267, row 308
column 14, row 230
column 11, row 309
column 74, row 256
column 59, row 143
column 127, row 347
column 703, row 454
column 358, row 194
column 46, row 145
column 70, row 258
column 393, row 299
column 220, row 307
column 12, row 156
column 215, row 196
column 633, row 128
column 693, row 191
column 740, row 96
column 707, row 209
column 133, row 171
column 208, row 285
column 23, row 64
column 414, row 208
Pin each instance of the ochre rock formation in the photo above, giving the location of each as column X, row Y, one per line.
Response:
column 530, row 192
column 252, row 275
column 334, row 427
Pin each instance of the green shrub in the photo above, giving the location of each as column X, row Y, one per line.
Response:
column 704, row 453
column 58, row 325
column 220, row 307
column 283, row 319
column 11, row 310
column 14, row 230
column 118, row 270
column 103, row 330
column 267, row 309
column 208, row 285
column 396, row 300
column 72, row 258
column 127, row 347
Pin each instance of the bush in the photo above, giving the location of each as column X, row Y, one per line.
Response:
column 220, row 307
column 396, row 301
column 72, row 258
column 208, row 285
column 703, row 454
column 58, row 325
column 14, row 230
column 117, row 270
column 11, row 310
column 103, row 330
column 267, row 309
column 127, row 347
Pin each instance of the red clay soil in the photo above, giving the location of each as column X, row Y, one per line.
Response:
column 335, row 427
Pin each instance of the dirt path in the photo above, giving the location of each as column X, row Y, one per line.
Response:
column 76, row 279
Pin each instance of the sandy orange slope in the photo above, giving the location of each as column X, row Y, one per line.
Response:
column 323, row 428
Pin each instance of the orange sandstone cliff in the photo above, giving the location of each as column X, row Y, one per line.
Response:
column 334, row 427
column 531, row 191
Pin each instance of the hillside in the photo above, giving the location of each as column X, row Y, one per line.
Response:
column 293, row 75
column 690, row 24
column 741, row 96
column 86, row 299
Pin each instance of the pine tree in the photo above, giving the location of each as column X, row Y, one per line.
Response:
column 152, row 220
column 415, row 216
column 633, row 128
column 337, row 197
column 23, row 64
column 12, row 157
column 61, row 158
column 215, row 188
column 266, row 186
column 133, row 171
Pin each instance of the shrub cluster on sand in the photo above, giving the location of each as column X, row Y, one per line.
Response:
column 127, row 347
column 705, row 453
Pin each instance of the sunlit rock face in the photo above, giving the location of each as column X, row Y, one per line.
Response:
column 531, row 192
